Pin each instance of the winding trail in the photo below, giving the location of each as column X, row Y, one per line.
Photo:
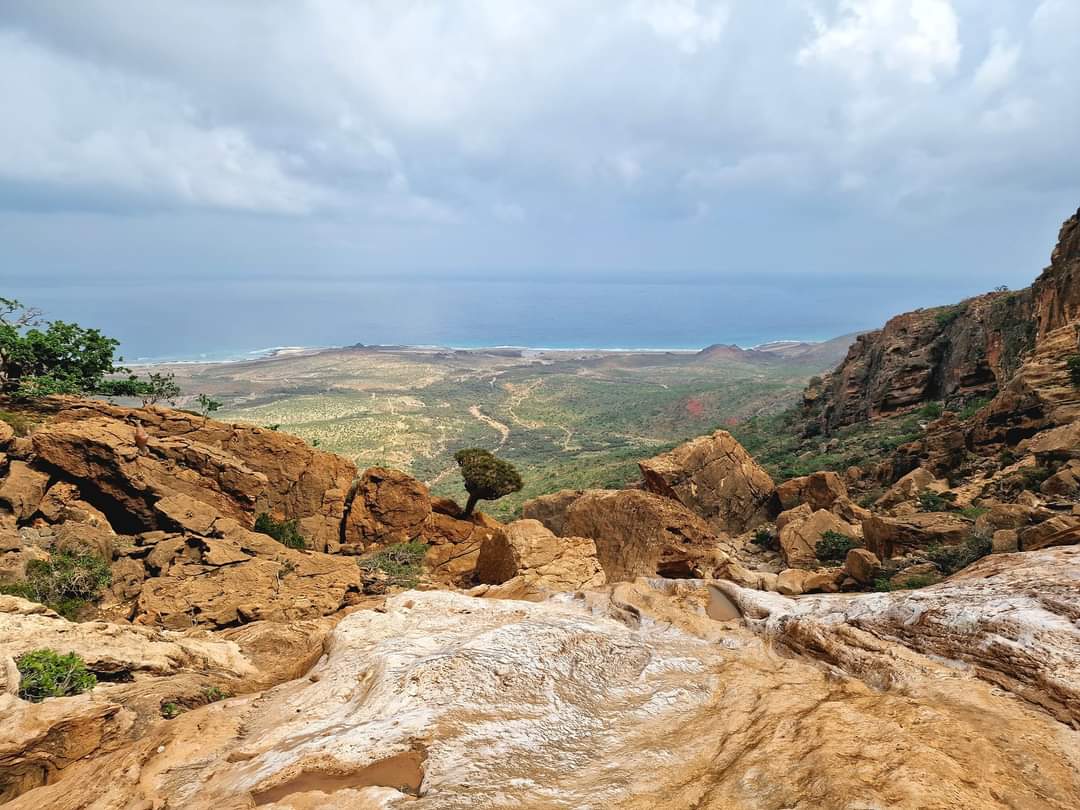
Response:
column 499, row 427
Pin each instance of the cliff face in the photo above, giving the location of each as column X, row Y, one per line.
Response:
column 969, row 351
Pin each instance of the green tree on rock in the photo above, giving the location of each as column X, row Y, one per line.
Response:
column 487, row 477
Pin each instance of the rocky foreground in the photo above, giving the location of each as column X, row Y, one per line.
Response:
column 270, row 627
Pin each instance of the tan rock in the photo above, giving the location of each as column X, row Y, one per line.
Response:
column 862, row 565
column 22, row 490
column 1063, row 530
column 64, row 503
column 1005, row 541
column 890, row 536
column 794, row 515
column 914, row 574
column 818, row 490
column 454, row 546
column 640, row 533
column 7, row 434
column 714, row 477
column 551, row 509
column 529, row 552
column 910, row 486
column 388, row 507
column 799, row 538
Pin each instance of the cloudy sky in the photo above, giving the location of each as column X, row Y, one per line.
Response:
column 925, row 148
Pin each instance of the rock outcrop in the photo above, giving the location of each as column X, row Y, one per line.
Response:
column 714, row 477
column 893, row 536
column 527, row 560
column 643, row 534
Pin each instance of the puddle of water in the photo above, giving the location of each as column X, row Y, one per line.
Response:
column 404, row 772
column 720, row 608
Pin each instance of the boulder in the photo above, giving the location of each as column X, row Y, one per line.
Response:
column 798, row 513
column 7, row 435
column 915, row 575
column 1056, row 445
column 640, row 533
column 64, row 503
column 239, row 470
column 388, row 507
column 1063, row 530
column 22, row 490
column 820, row 490
column 910, row 486
column 454, row 546
column 1008, row 516
column 1005, row 541
column 551, row 509
column 715, row 478
column 531, row 560
column 799, row 537
column 795, row 581
column 862, row 565
column 893, row 536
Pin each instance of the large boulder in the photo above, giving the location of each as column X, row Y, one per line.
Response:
column 388, row 507
column 862, row 565
column 714, row 477
column 799, row 537
column 454, row 545
column 640, row 533
column 22, row 489
column 894, row 536
column 528, row 559
column 237, row 469
column 63, row 503
column 551, row 509
column 909, row 487
column 819, row 490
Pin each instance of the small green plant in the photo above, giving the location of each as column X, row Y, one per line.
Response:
column 973, row 407
column 274, row 426
column 285, row 532
column 947, row 315
column 1072, row 363
column 834, row 546
column 213, row 694
column 169, row 710
column 951, row 559
column 973, row 512
column 487, row 477
column 46, row 674
column 207, row 405
column 401, row 563
column 910, row 584
column 66, row 582
column 766, row 540
column 1034, row 476
column 930, row 501
column 931, row 410
column 20, row 423
column 316, row 442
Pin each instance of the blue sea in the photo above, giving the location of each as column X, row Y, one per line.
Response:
column 235, row 319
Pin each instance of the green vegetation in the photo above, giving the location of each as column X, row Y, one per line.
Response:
column 1072, row 363
column 930, row 501
column 909, row 584
column 487, row 477
column 207, row 405
column 834, row 546
column 213, row 694
column 401, row 563
column 766, row 539
column 946, row 315
column 19, row 422
column 951, row 559
column 973, row 407
column 47, row 674
column 931, row 410
column 285, row 532
column 170, row 710
column 65, row 583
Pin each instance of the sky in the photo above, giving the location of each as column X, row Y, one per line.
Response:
column 919, row 150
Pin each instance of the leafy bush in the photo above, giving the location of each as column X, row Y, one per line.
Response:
column 285, row 532
column 931, row 410
column 973, row 407
column 766, row 539
column 930, row 501
column 947, row 315
column 170, row 710
column 834, row 546
column 207, row 405
column 46, row 674
column 66, row 582
column 39, row 357
column 402, row 563
column 1072, row 363
column 155, row 388
column 487, row 477
column 951, row 559
column 910, row 584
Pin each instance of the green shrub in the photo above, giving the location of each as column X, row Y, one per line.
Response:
column 935, row 501
column 973, row 407
column 931, row 410
column 1034, row 476
column 46, row 673
column 213, row 694
column 207, row 405
column 834, row 546
column 1072, row 362
column 487, row 477
column 20, row 423
column 766, row 539
column 947, row 315
column 402, row 563
column 169, row 710
column 884, row 584
column 285, row 532
column 951, row 559
column 66, row 582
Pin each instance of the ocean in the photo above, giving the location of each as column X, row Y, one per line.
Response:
column 229, row 320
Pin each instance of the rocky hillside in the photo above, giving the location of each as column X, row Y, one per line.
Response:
column 201, row 614
column 962, row 353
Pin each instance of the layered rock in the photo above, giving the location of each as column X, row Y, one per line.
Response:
column 643, row 534
column 388, row 507
column 800, row 533
column 894, row 536
column 714, row 477
column 527, row 560
column 551, row 509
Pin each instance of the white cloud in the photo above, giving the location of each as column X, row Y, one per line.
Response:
column 918, row 39
column 998, row 68
column 682, row 22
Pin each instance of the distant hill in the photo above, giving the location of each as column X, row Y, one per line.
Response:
column 823, row 355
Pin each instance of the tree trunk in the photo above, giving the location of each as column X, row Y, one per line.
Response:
column 470, row 505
